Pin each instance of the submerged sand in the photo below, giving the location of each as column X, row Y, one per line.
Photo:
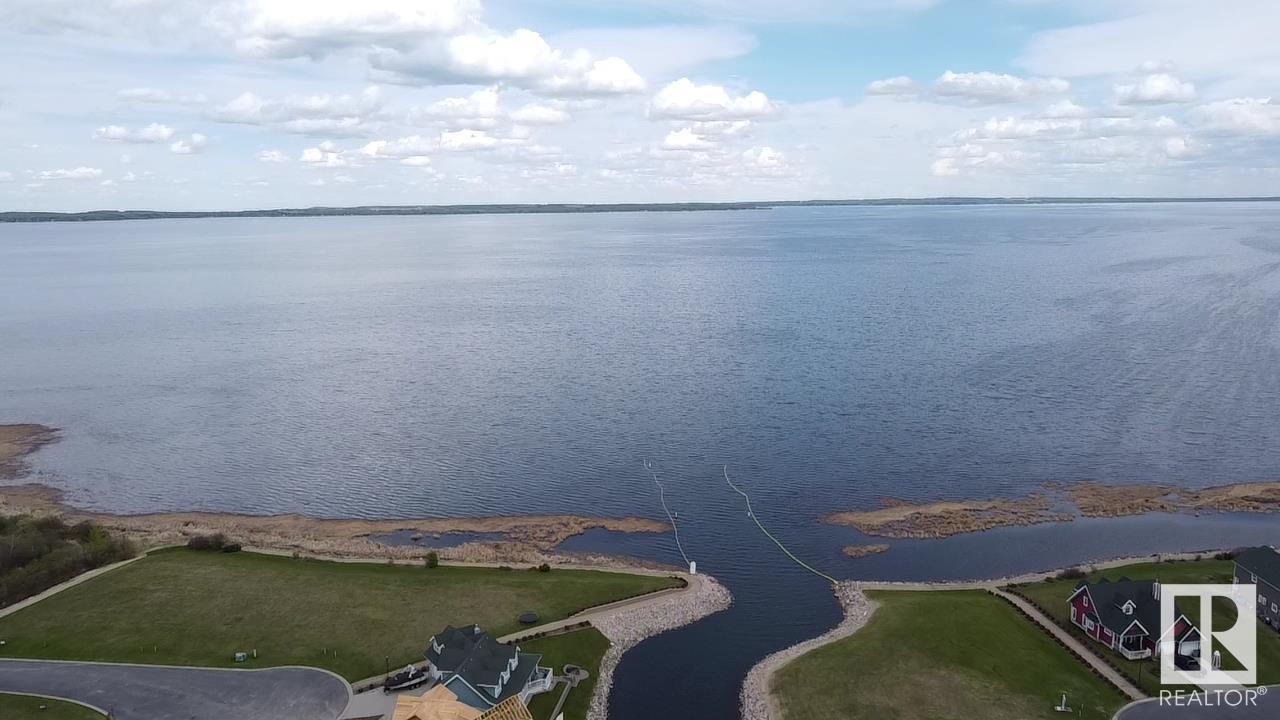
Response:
column 530, row 538
column 18, row 441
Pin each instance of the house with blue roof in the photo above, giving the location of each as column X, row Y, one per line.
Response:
column 483, row 672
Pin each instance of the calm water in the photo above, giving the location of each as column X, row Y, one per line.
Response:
column 517, row 364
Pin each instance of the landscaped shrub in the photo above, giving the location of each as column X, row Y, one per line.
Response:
column 433, row 559
column 1074, row 573
column 544, row 568
column 38, row 553
column 214, row 542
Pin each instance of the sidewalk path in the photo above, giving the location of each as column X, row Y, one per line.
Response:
column 1111, row 674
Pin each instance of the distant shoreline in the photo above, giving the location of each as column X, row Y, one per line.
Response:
column 568, row 208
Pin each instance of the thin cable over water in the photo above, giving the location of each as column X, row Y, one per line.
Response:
column 752, row 514
column 662, row 496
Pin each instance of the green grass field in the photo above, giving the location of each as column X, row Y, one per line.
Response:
column 189, row 608
column 24, row 707
column 1052, row 598
column 583, row 648
column 949, row 655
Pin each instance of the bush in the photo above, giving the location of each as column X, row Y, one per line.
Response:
column 433, row 560
column 214, row 542
column 231, row 547
column 544, row 568
column 38, row 553
column 1074, row 573
column 1228, row 555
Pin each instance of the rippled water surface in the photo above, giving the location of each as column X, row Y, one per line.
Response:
column 830, row 357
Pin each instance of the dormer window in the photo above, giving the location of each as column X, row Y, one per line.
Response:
column 1127, row 608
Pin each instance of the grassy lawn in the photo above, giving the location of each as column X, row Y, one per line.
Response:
column 23, row 707
column 941, row 656
column 583, row 648
column 189, row 608
column 1052, row 598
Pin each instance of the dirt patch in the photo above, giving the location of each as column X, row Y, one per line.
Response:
column 526, row 539
column 898, row 519
column 18, row 441
column 860, row 551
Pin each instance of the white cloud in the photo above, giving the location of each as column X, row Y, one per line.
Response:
column 686, row 100
column 189, row 146
column 77, row 173
column 522, row 59
column 1228, row 39
column 466, row 141
column 773, row 11
column 1156, row 89
column 272, row 156
column 536, row 114
column 325, row 156
column 685, row 139
column 480, row 110
column 900, row 85
column 991, row 88
column 416, row 161
column 314, row 28
column 6, row 176
column 1064, row 109
column 155, row 96
column 1242, row 116
column 324, row 115
column 405, row 147
column 153, row 133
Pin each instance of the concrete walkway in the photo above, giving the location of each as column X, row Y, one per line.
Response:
column 159, row 692
column 1111, row 674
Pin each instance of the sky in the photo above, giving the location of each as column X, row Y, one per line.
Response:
column 235, row 104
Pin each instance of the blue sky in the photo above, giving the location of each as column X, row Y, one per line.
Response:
column 208, row 104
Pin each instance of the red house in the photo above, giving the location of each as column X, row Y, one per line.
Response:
column 1125, row 616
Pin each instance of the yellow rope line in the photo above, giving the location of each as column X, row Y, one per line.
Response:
column 752, row 514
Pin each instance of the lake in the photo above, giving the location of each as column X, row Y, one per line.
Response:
column 829, row 357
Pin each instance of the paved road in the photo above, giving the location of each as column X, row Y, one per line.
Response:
column 146, row 692
column 1265, row 706
column 1110, row 673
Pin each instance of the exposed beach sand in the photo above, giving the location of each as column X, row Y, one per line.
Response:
column 899, row 519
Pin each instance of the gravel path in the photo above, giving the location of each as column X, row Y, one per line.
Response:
column 757, row 702
column 627, row 626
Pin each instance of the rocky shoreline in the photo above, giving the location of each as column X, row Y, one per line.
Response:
column 626, row 628
column 758, row 703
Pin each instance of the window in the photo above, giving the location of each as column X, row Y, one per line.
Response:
column 1088, row 623
column 1073, row 613
column 1262, row 600
column 1274, row 609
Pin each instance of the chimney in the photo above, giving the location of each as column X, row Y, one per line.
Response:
column 1155, row 590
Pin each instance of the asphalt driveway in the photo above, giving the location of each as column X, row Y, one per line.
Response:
column 148, row 692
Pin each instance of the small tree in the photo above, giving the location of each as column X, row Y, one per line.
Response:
column 433, row 560
column 544, row 568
